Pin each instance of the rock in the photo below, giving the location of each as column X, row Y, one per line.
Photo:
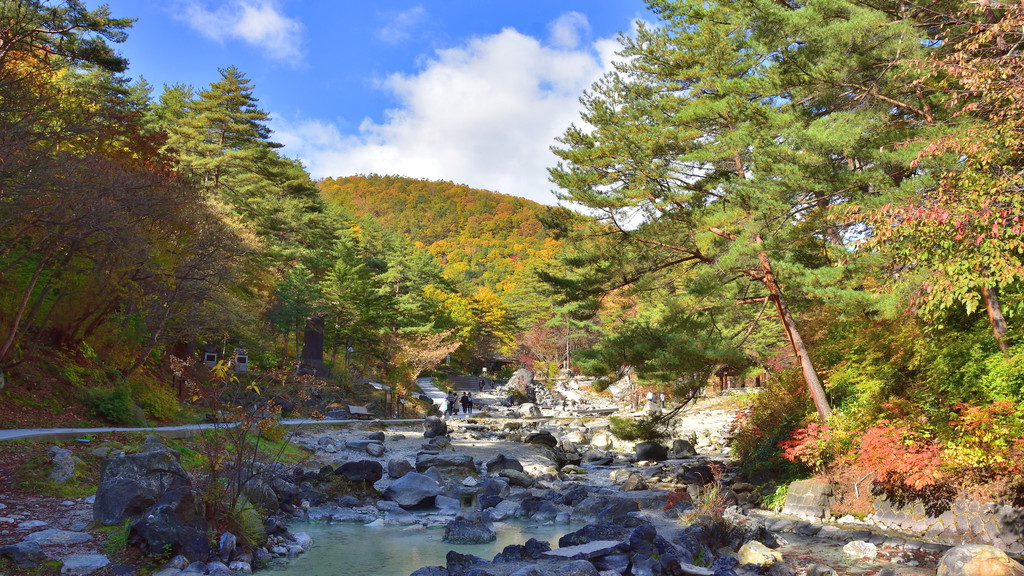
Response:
column 398, row 467
column 502, row 462
column 226, row 546
column 634, row 482
column 683, row 449
column 503, row 510
column 413, row 490
column 753, row 552
column 819, row 570
column 602, row 440
column 576, row 568
column 261, row 495
column 543, row 438
column 978, row 560
column 861, row 549
column 174, row 525
column 375, row 449
column 594, row 532
column 64, row 462
column 25, row 554
column 651, row 451
column 240, row 567
column 520, row 380
column 529, row 410
column 131, row 483
column 54, row 537
column 367, row 471
column 83, row 564
column 450, row 465
column 462, row 531
column 30, row 524
column 603, row 509
column 744, row 487
column 434, row 426
column 458, row 563
column 376, row 436
column 517, row 478
column 533, row 550
column 431, row 571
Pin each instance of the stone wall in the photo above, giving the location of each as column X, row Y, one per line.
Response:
column 965, row 522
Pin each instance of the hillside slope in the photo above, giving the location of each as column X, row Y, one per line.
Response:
column 482, row 238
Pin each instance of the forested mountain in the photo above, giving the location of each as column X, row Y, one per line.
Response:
column 481, row 237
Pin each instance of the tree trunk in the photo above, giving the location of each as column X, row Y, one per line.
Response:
column 995, row 317
column 810, row 375
column 12, row 331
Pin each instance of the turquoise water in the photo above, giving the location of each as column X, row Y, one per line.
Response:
column 357, row 550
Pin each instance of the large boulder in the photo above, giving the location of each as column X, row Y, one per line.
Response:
column 175, row 525
column 434, row 426
column 413, row 490
column 683, row 449
column 978, row 560
column 521, row 380
column 542, row 437
column 450, row 465
column 368, row 471
column 131, row 483
column 651, row 451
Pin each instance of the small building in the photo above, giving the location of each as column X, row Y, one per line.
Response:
column 241, row 360
column 209, row 354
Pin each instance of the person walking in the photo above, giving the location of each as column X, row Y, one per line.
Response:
column 469, row 402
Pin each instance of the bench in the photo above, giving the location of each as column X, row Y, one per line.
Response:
column 359, row 411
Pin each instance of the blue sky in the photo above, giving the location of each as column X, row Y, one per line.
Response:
column 472, row 91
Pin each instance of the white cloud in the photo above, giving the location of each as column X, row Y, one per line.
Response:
column 400, row 27
column 259, row 23
column 484, row 114
column 568, row 30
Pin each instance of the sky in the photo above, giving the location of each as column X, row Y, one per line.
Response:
column 470, row 91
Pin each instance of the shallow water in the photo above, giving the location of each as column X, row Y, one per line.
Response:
column 357, row 550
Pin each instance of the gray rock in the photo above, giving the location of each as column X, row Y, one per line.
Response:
column 594, row 549
column 683, row 449
column 30, row 524
column 376, row 436
column 226, row 546
column 543, row 438
column 634, row 482
column 375, row 449
column 517, row 478
column 434, row 426
column 54, row 537
column 413, row 490
column 175, row 524
column 131, row 483
column 398, row 467
column 529, row 410
column 64, row 462
column 502, row 462
column 83, row 564
column 368, row 471
column 240, row 567
column 450, row 465
column 25, row 554
column 462, row 531
column 861, row 549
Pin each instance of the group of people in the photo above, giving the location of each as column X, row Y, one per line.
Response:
column 450, row 405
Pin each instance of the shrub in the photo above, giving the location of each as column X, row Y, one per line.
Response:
column 649, row 428
column 768, row 420
column 156, row 400
column 113, row 404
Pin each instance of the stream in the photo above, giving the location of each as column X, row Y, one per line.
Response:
column 358, row 550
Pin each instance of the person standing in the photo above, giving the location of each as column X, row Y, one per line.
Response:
column 464, row 401
column 662, row 398
column 469, row 402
